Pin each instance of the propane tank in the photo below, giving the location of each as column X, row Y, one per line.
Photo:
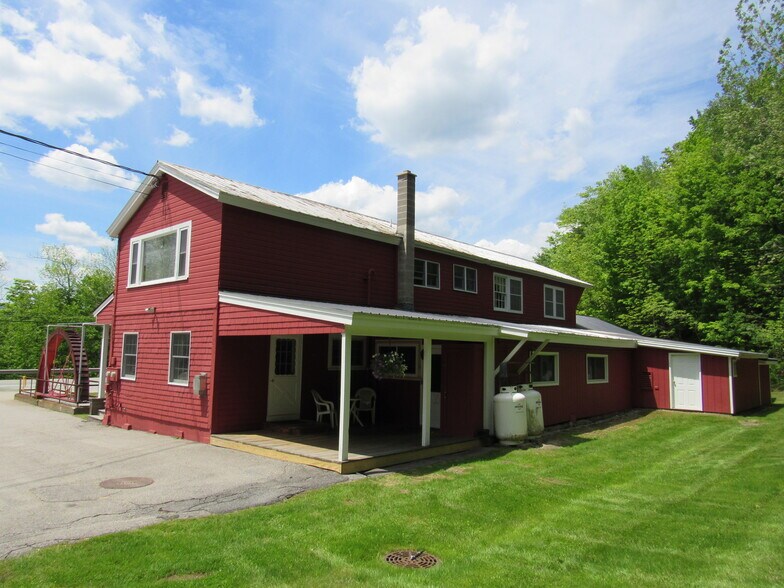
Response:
column 511, row 421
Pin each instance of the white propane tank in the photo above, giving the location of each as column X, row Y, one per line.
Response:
column 511, row 422
column 535, row 416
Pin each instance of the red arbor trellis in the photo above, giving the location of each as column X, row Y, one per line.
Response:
column 64, row 373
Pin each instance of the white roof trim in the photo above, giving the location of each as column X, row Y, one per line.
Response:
column 103, row 305
column 697, row 348
column 313, row 310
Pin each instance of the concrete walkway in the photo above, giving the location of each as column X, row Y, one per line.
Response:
column 52, row 464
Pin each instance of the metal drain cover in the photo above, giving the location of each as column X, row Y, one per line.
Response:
column 126, row 483
column 411, row 559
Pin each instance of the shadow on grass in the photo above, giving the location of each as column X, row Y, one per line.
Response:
column 777, row 404
column 558, row 436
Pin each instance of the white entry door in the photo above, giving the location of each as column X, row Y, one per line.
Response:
column 285, row 367
column 685, row 383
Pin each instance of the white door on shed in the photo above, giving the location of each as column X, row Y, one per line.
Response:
column 685, row 381
column 285, row 367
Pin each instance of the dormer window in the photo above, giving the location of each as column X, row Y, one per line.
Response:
column 427, row 274
column 161, row 256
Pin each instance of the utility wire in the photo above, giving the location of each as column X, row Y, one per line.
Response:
column 77, row 154
column 65, row 171
column 44, row 155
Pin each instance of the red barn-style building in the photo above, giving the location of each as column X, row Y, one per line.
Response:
column 235, row 303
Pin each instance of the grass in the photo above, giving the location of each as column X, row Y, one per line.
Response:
column 670, row 499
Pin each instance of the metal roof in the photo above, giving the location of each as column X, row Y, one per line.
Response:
column 305, row 210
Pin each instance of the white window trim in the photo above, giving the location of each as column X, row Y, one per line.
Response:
column 555, row 304
column 465, row 281
column 139, row 241
column 122, row 359
column 190, row 342
column 508, row 293
column 417, row 345
column 606, row 358
column 334, row 338
column 557, row 368
column 427, row 262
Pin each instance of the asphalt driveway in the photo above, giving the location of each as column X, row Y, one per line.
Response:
column 52, row 465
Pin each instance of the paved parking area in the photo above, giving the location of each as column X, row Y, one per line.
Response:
column 52, row 464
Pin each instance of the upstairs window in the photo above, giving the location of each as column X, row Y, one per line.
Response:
column 596, row 369
column 179, row 358
column 554, row 306
column 427, row 274
column 507, row 293
column 544, row 369
column 130, row 350
column 162, row 256
column 464, row 278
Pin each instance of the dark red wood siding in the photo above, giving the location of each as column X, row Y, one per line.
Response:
column 238, row 320
column 715, row 384
column 447, row 300
column 106, row 316
column 747, row 385
column 277, row 257
column 652, row 385
column 149, row 402
column 241, row 378
column 574, row 398
column 461, row 388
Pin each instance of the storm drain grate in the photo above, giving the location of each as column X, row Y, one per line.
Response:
column 411, row 559
column 126, row 483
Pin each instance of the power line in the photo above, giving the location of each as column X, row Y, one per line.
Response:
column 76, row 153
column 71, row 163
column 65, row 171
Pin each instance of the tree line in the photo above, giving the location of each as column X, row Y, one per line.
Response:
column 691, row 247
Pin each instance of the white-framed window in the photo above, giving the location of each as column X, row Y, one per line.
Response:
column 161, row 256
column 130, row 354
column 411, row 352
column 358, row 352
column 544, row 369
column 464, row 278
column 427, row 273
column 597, row 369
column 179, row 358
column 554, row 302
column 507, row 293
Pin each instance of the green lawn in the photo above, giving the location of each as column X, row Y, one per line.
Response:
column 669, row 499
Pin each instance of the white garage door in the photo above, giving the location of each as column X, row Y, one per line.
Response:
column 685, row 382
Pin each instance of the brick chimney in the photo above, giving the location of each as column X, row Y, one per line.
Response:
column 406, row 195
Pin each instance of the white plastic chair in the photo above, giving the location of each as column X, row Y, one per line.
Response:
column 324, row 407
column 367, row 402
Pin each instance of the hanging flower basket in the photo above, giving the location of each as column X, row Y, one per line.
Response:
column 388, row 365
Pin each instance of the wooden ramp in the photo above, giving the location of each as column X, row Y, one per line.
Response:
column 367, row 451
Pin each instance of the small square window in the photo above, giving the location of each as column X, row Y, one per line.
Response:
column 544, row 369
column 427, row 273
column 130, row 352
column 179, row 358
column 507, row 293
column 554, row 306
column 596, row 369
column 464, row 279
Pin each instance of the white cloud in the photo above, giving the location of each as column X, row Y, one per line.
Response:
column 437, row 208
column 73, row 76
column 155, row 93
column 76, row 173
column 3, row 261
column 86, row 138
column 76, row 234
column 213, row 105
column 446, row 86
column 533, row 239
column 178, row 138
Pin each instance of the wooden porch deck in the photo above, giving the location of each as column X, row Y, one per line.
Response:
column 367, row 449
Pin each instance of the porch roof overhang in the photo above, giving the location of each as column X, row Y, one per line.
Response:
column 678, row 346
column 390, row 322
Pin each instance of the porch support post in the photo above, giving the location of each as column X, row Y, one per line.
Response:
column 489, row 386
column 105, row 338
column 426, row 382
column 344, row 415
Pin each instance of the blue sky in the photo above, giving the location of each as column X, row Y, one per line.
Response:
column 505, row 113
